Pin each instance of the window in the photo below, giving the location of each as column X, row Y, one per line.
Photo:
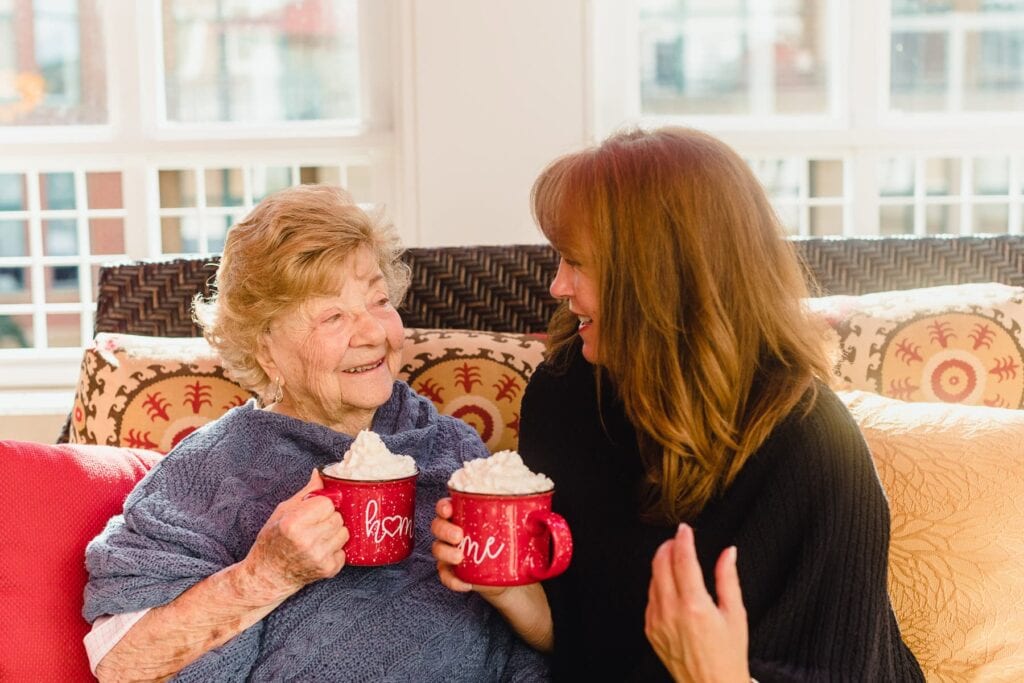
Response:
column 134, row 130
column 924, row 137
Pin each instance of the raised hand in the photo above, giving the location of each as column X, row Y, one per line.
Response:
column 696, row 639
column 302, row 542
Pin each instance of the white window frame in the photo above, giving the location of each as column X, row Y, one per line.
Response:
column 861, row 129
column 137, row 142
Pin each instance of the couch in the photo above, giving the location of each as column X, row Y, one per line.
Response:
column 926, row 336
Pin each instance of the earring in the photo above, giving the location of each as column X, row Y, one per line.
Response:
column 278, row 395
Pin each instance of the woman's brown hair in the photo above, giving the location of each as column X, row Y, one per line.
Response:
column 701, row 319
column 288, row 249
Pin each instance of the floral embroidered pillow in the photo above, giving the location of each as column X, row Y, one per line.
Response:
column 951, row 344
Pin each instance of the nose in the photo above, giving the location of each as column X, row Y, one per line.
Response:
column 368, row 331
column 561, row 287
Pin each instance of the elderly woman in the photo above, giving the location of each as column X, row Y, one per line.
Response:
column 221, row 568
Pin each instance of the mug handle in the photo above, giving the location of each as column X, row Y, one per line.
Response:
column 561, row 540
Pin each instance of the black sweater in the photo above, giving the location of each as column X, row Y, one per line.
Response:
column 807, row 514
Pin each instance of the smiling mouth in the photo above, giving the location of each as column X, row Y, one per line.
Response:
column 364, row 368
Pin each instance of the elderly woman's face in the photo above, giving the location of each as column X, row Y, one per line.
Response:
column 338, row 356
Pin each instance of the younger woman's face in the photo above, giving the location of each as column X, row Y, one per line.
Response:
column 576, row 282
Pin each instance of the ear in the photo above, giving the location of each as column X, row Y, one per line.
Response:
column 264, row 356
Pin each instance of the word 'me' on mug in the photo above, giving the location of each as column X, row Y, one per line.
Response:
column 510, row 540
column 379, row 516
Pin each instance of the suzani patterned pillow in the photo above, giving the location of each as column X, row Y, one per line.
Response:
column 951, row 344
column 478, row 377
column 151, row 392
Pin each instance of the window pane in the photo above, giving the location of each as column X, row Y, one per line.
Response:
column 780, row 177
column 992, row 176
column 994, row 70
column 60, row 237
column 716, row 57
column 61, row 284
column 789, row 216
column 15, row 331
column 57, row 190
column 990, row 218
column 896, row 220
column 14, row 286
column 358, row 183
column 826, row 178
column 957, row 56
column 801, row 57
column 176, row 238
column 268, row 179
column 942, row 219
column 51, row 64
column 216, row 231
column 275, row 60
column 63, row 330
column 177, row 189
column 104, row 190
column 942, row 177
column 13, row 238
column 106, row 236
column 320, row 174
column 826, row 220
column 896, row 177
column 12, row 192
column 224, row 187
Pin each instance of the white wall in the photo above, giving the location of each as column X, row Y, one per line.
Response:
column 488, row 93
column 497, row 91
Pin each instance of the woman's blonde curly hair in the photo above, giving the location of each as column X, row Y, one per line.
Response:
column 287, row 250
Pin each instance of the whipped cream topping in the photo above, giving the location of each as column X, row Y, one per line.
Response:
column 368, row 459
column 503, row 472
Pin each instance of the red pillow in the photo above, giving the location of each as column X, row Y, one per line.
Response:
column 54, row 500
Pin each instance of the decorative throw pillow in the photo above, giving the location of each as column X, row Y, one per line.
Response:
column 478, row 377
column 952, row 344
column 954, row 476
column 55, row 500
column 151, row 392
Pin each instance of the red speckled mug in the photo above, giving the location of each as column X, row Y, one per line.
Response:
column 380, row 516
column 510, row 540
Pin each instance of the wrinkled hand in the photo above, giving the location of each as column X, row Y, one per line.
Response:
column 301, row 542
column 696, row 639
column 445, row 550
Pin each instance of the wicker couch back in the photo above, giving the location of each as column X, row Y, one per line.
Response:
column 505, row 288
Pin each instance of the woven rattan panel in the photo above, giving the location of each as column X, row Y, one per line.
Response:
column 503, row 289
column 152, row 297
column 865, row 265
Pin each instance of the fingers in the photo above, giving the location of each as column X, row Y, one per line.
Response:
column 446, row 572
column 446, row 531
column 663, row 585
column 315, row 483
column 727, row 584
column 443, row 509
column 689, row 580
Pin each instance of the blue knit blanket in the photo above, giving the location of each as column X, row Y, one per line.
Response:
column 200, row 508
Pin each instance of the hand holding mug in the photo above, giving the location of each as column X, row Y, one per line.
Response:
column 301, row 542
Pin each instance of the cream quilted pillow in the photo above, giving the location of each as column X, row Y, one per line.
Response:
column 954, row 476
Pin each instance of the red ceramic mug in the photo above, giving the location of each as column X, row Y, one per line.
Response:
column 380, row 516
column 510, row 540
